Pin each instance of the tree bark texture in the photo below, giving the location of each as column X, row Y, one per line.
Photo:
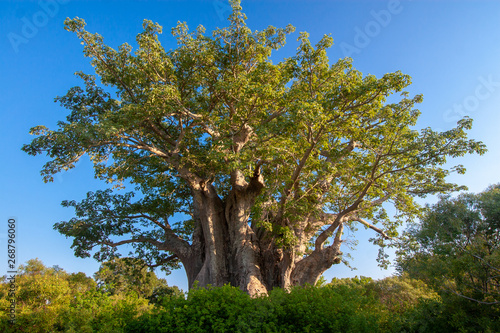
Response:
column 226, row 249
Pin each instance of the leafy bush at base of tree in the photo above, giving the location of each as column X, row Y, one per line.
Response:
column 345, row 305
column 227, row 309
column 396, row 304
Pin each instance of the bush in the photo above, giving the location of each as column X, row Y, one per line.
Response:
column 53, row 301
column 303, row 309
column 98, row 312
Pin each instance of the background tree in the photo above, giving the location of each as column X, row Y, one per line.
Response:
column 163, row 291
column 123, row 275
column 42, row 295
column 397, row 293
column 267, row 163
column 456, row 247
column 79, row 282
column 456, row 250
column 48, row 299
column 39, row 286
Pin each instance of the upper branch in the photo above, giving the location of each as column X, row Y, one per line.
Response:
column 368, row 225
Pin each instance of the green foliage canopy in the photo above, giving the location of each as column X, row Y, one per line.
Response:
column 216, row 111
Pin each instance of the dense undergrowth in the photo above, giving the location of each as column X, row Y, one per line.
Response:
column 55, row 302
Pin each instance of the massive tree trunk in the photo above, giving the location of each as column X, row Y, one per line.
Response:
column 226, row 249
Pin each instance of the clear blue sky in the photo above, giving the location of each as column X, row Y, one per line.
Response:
column 450, row 48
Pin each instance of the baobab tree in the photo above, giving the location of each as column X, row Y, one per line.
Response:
column 262, row 166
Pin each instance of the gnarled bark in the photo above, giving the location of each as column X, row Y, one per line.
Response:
column 227, row 250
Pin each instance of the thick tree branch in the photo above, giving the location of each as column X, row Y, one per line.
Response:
column 321, row 239
column 368, row 225
column 295, row 176
column 140, row 239
column 163, row 261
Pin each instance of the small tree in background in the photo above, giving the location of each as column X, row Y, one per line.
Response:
column 456, row 247
column 43, row 294
column 456, row 250
column 48, row 299
column 123, row 275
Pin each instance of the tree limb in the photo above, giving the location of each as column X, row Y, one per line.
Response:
column 368, row 225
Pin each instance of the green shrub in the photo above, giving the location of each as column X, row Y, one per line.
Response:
column 303, row 309
column 99, row 312
column 53, row 301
